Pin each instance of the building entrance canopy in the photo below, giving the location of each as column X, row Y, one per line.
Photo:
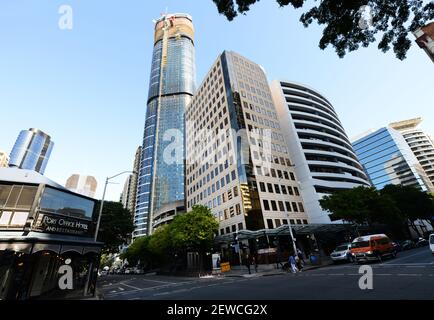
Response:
column 284, row 230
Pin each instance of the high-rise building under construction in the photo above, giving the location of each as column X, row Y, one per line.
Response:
column 160, row 191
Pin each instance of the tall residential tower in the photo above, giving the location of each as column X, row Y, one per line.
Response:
column 420, row 143
column 388, row 159
column 129, row 193
column 84, row 185
column 172, row 84
column 4, row 159
column 31, row 151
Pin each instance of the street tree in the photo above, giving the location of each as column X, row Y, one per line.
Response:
column 194, row 230
column 160, row 244
column 351, row 24
column 116, row 226
column 139, row 252
column 413, row 203
column 362, row 206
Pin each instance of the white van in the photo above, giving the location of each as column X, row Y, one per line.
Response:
column 431, row 243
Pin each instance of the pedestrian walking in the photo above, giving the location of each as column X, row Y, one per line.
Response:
column 300, row 256
column 298, row 263
column 247, row 262
column 293, row 264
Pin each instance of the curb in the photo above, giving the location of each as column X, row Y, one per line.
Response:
column 277, row 273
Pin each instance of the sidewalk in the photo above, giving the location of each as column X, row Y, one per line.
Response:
column 268, row 270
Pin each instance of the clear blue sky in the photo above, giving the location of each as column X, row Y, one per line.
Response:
column 87, row 87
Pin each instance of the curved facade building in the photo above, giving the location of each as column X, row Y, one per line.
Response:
column 31, row 151
column 420, row 143
column 172, row 85
column 323, row 156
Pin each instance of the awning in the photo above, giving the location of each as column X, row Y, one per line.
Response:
column 76, row 249
column 46, row 247
column 91, row 250
column 284, row 230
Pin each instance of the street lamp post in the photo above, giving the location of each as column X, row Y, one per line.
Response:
column 290, row 225
column 103, row 198
column 291, row 234
column 86, row 287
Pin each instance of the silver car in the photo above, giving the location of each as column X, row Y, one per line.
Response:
column 342, row 253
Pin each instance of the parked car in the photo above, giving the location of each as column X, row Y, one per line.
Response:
column 431, row 243
column 372, row 248
column 342, row 253
column 407, row 245
column 422, row 243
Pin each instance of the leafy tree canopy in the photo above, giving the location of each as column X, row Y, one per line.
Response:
column 362, row 205
column 116, row 226
column 194, row 230
column 392, row 19
column 413, row 203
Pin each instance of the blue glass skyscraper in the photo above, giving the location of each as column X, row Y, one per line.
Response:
column 387, row 159
column 160, row 191
column 31, row 151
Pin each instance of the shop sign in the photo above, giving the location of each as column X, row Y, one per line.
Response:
column 64, row 225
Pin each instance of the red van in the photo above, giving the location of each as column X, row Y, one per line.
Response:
column 372, row 248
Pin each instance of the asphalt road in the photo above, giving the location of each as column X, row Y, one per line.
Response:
column 410, row 276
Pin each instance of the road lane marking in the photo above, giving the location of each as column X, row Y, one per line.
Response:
column 129, row 286
column 156, row 281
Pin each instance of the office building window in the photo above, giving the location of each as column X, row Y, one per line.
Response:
column 235, row 191
column 277, row 188
column 288, row 206
column 301, row 207
column 266, row 205
column 238, row 209
column 270, row 224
